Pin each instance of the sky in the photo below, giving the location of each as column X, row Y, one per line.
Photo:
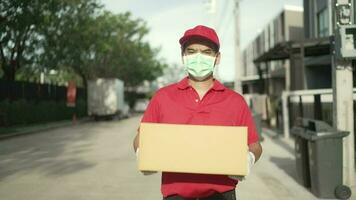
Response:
column 168, row 19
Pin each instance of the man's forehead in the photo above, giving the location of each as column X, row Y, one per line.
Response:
column 199, row 46
column 199, row 41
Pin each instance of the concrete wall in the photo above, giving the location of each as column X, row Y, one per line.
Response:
column 249, row 67
column 297, row 81
column 293, row 25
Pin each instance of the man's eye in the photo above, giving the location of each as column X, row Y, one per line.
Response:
column 208, row 52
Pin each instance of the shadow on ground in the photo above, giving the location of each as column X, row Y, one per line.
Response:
column 287, row 165
column 52, row 153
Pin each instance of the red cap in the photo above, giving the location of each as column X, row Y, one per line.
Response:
column 200, row 31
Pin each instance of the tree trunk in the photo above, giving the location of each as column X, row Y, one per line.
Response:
column 10, row 71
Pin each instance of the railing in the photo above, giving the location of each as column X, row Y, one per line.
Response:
column 17, row 90
column 316, row 104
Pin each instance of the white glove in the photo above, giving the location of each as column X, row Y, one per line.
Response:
column 250, row 162
column 144, row 172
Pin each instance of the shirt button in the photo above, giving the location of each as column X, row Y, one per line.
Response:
column 196, row 100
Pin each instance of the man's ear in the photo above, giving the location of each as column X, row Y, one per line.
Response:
column 182, row 53
column 217, row 60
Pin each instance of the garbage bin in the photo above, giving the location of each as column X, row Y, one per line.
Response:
column 258, row 123
column 325, row 160
column 301, row 153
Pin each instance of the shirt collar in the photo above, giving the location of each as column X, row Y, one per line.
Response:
column 184, row 84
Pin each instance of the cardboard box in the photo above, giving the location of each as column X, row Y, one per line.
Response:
column 193, row 149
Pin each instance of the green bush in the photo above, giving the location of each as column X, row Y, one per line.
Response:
column 24, row 112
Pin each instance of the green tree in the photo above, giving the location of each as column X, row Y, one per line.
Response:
column 18, row 38
column 26, row 27
column 119, row 50
column 69, row 36
column 75, row 35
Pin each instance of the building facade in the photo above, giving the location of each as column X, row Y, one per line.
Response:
column 269, row 78
column 293, row 54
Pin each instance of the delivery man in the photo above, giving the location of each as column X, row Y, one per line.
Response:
column 201, row 100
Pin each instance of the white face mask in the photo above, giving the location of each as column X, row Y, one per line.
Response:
column 198, row 65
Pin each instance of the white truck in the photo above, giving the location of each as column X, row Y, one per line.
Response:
column 106, row 98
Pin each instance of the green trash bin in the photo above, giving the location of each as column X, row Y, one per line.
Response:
column 301, row 153
column 325, row 160
column 301, row 156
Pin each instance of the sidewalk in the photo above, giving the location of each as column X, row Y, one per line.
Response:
column 274, row 175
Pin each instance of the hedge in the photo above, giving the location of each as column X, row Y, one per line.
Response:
column 23, row 112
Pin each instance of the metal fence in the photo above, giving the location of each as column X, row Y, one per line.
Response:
column 313, row 104
column 18, row 90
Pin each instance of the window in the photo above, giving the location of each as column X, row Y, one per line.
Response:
column 323, row 23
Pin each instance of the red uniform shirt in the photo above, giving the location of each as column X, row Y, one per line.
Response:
column 179, row 103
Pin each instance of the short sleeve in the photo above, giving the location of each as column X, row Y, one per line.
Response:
column 152, row 112
column 246, row 119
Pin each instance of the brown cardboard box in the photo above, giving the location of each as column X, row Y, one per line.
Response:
column 193, row 149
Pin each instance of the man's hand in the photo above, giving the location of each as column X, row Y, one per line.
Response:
column 146, row 173
column 250, row 161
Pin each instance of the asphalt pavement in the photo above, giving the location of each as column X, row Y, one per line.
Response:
column 95, row 160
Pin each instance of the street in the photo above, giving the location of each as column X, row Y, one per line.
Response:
column 88, row 161
column 96, row 161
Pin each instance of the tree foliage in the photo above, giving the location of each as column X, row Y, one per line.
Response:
column 118, row 50
column 19, row 22
column 76, row 34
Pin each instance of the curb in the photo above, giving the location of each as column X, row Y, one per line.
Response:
column 50, row 126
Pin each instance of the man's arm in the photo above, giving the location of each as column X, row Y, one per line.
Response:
column 151, row 115
column 256, row 149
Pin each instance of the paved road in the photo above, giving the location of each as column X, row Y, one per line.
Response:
column 95, row 161
column 88, row 161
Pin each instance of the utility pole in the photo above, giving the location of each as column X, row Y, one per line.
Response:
column 211, row 6
column 238, row 61
column 342, row 55
column 212, row 10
